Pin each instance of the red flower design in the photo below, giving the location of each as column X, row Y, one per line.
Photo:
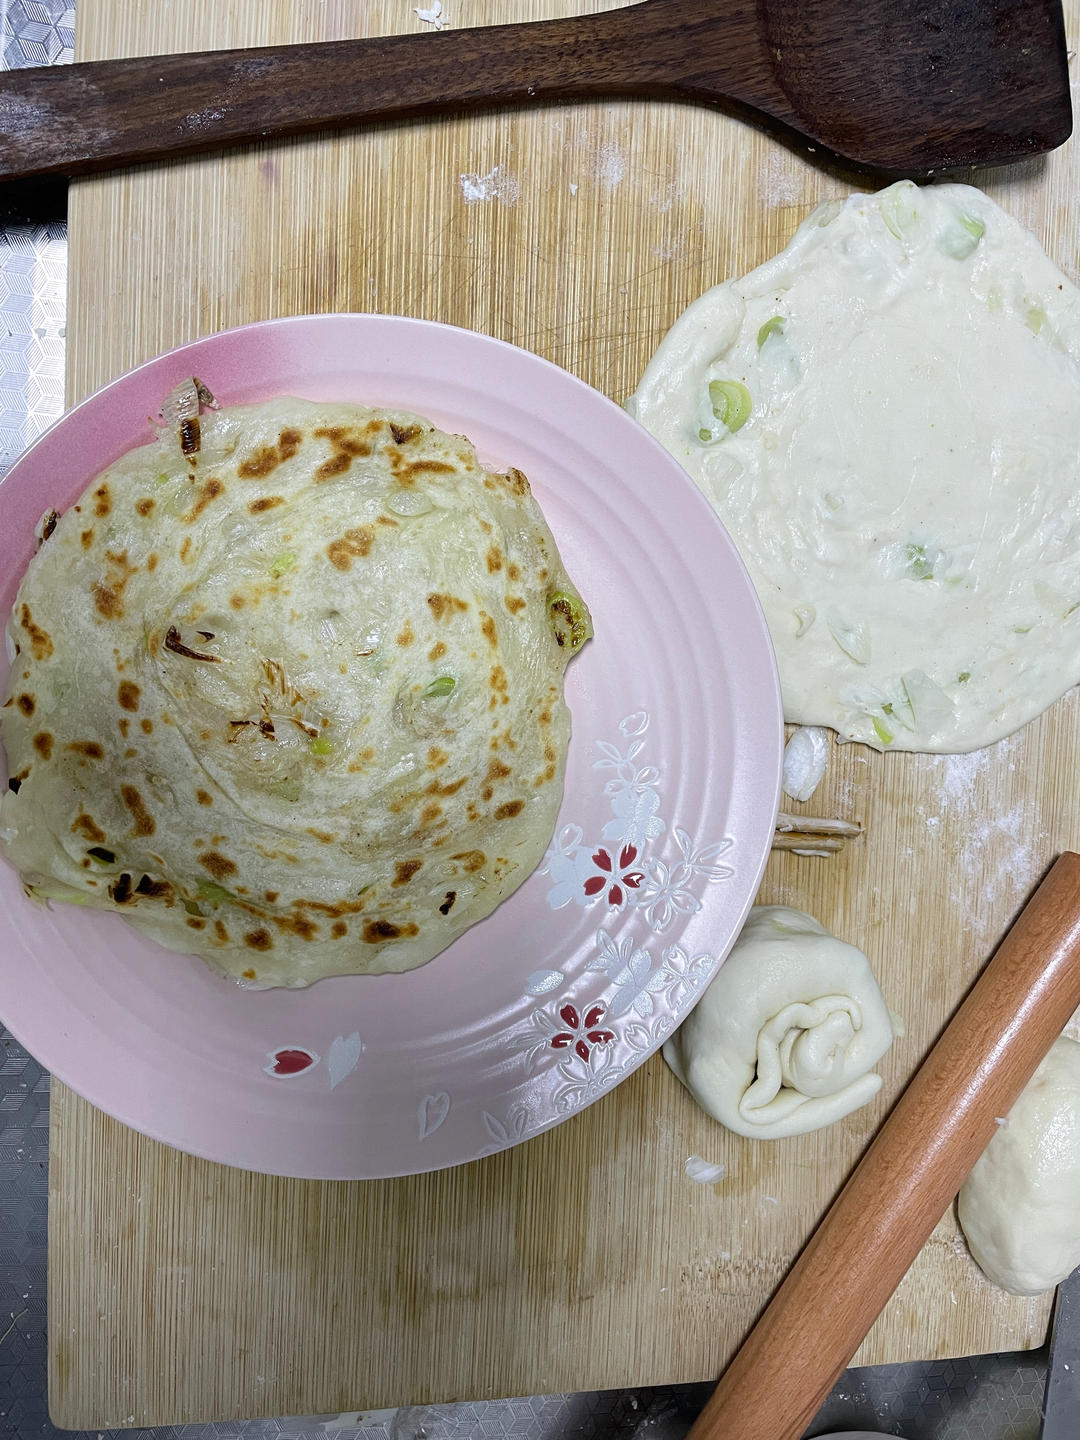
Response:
column 289, row 1060
column 581, row 1032
column 616, row 875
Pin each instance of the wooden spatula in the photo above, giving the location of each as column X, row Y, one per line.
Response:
column 908, row 1177
column 898, row 86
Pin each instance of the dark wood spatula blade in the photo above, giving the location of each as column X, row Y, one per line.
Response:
column 914, row 88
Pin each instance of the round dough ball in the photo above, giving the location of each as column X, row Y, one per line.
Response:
column 1020, row 1206
column 784, row 1039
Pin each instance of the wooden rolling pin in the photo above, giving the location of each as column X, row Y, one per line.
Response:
column 906, row 1180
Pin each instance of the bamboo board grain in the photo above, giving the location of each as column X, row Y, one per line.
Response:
column 182, row 1291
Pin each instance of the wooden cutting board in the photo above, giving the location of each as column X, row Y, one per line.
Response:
column 181, row 1290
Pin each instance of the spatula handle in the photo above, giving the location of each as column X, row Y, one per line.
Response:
column 74, row 118
column 908, row 1177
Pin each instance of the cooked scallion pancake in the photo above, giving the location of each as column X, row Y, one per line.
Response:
column 288, row 691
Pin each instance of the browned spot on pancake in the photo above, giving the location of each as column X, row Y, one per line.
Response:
column 429, row 813
column 405, row 434
column 448, row 902
column 90, row 748
column 237, row 601
column 323, row 835
column 204, row 797
column 220, row 866
column 223, row 935
column 271, row 896
column 491, row 635
column 515, row 604
column 26, row 704
column 109, row 593
column 151, row 562
column 268, row 457
column 87, row 539
column 354, row 542
column 130, row 754
column 498, row 771
column 145, row 823
column 195, row 922
column 248, row 974
column 267, row 502
column 204, row 496
column 448, row 789
column 509, row 810
column 498, row 680
column 337, row 464
column 40, row 640
column 384, row 520
column 43, row 743
column 260, row 939
column 84, row 824
column 406, row 474
column 145, row 506
column 146, row 726
column 363, row 760
column 120, row 889
column 404, row 870
column 154, row 889
column 296, row 925
column 494, row 559
column 376, row 931
column 406, row 636
column 513, row 571
column 442, row 604
column 471, row 860
column 338, row 929
column 437, row 757
column 102, row 501
column 127, row 692
column 190, row 432
column 515, row 482
column 437, row 651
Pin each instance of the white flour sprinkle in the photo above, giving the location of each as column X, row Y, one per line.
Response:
column 609, row 165
column 700, row 1170
column 499, row 184
column 432, row 16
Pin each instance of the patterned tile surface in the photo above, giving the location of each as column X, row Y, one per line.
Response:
column 994, row 1397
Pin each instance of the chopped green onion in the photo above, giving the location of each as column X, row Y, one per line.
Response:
column 898, row 209
column 960, row 240
column 1035, row 318
column 216, row 894
column 854, row 639
column 884, row 735
column 771, row 327
column 320, row 745
column 283, row 562
column 571, row 620
column 162, row 479
column 731, row 404
column 287, row 789
column 918, row 566
column 805, row 615
column 444, row 685
column 963, row 677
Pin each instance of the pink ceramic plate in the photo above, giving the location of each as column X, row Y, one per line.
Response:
column 671, row 793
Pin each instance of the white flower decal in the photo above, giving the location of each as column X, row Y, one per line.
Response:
column 632, row 971
column 667, row 889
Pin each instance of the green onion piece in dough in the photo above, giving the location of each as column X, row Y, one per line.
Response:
column 884, row 735
column 570, row 619
column 216, row 894
column 731, row 403
column 771, row 327
column 280, row 563
column 444, row 685
column 918, row 566
column 321, row 745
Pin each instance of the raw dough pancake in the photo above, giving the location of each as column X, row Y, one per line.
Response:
column 886, row 417
column 292, row 700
